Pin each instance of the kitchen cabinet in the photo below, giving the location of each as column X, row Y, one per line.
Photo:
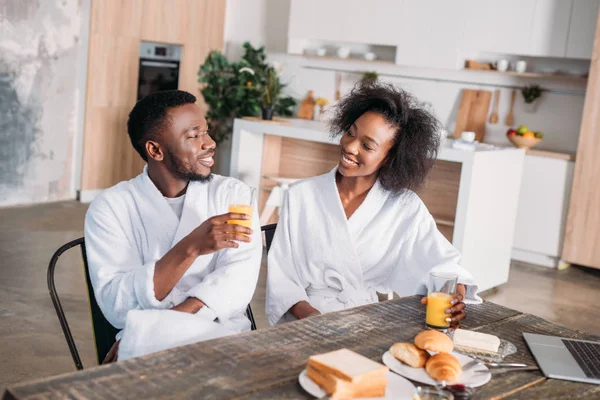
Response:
column 542, row 211
column 582, row 28
column 375, row 22
column 316, row 20
column 345, row 21
column 498, row 26
column 429, row 39
column 550, row 28
column 434, row 34
column 582, row 233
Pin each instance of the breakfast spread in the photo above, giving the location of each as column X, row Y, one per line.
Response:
column 432, row 352
column 344, row 374
column 432, row 358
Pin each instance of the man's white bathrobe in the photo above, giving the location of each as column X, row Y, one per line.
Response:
column 129, row 227
column 390, row 243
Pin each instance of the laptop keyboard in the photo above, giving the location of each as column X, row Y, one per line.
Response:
column 587, row 356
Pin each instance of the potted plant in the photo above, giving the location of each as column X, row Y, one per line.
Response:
column 234, row 89
column 369, row 77
column 531, row 95
column 270, row 92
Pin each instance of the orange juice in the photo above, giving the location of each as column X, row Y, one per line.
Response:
column 241, row 209
column 437, row 304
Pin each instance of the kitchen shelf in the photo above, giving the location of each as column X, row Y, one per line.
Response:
column 358, row 59
column 533, row 75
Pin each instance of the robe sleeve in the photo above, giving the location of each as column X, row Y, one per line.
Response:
column 284, row 286
column 228, row 289
column 426, row 250
column 120, row 280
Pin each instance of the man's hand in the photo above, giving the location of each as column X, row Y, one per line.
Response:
column 215, row 234
column 456, row 312
column 212, row 235
column 190, row 305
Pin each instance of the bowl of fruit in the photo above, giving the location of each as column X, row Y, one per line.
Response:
column 523, row 138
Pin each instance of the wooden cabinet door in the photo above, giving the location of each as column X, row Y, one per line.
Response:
column 582, row 234
column 582, row 28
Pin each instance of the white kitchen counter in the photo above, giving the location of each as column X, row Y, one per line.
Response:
column 488, row 191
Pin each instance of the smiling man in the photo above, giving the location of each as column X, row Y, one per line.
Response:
column 164, row 264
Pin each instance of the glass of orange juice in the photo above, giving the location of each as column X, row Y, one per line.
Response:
column 242, row 204
column 440, row 292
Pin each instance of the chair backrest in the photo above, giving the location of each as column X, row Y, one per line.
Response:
column 104, row 332
column 269, row 231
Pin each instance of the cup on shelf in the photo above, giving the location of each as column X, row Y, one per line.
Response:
column 343, row 52
column 370, row 56
column 321, row 51
column 502, row 65
column 521, row 66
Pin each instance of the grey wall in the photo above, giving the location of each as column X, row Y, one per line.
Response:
column 40, row 98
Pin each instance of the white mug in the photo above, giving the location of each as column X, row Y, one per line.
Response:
column 468, row 136
column 521, row 66
column 343, row 52
column 502, row 65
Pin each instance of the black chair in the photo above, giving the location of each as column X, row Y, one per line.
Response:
column 104, row 332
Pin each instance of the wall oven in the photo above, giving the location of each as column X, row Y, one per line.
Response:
column 159, row 68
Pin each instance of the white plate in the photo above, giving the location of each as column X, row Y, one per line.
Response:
column 398, row 388
column 467, row 378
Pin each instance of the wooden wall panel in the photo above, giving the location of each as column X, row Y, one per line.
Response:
column 112, row 67
column 582, row 233
column 440, row 192
column 116, row 18
column 166, row 21
column 117, row 27
column 303, row 159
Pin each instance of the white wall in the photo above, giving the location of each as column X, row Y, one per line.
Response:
column 40, row 99
column 260, row 22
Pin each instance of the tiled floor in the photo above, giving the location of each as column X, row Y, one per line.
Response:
column 32, row 344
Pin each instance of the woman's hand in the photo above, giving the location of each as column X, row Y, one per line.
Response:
column 303, row 309
column 456, row 312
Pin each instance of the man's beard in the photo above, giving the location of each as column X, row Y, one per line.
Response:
column 184, row 172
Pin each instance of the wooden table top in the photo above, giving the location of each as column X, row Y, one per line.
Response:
column 266, row 363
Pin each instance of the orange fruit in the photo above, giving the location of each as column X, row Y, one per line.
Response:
column 529, row 135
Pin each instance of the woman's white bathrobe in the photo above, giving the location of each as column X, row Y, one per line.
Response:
column 390, row 243
column 129, row 227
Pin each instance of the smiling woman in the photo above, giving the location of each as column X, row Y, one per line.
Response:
column 386, row 133
column 360, row 229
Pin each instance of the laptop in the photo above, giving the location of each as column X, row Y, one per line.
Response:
column 568, row 359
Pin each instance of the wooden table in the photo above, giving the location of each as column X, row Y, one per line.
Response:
column 266, row 363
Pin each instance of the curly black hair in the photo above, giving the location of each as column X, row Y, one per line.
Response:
column 149, row 116
column 417, row 132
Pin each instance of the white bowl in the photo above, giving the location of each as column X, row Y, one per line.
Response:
column 370, row 56
column 321, row 51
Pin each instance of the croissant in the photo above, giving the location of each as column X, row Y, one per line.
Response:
column 444, row 367
column 434, row 341
column 409, row 354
